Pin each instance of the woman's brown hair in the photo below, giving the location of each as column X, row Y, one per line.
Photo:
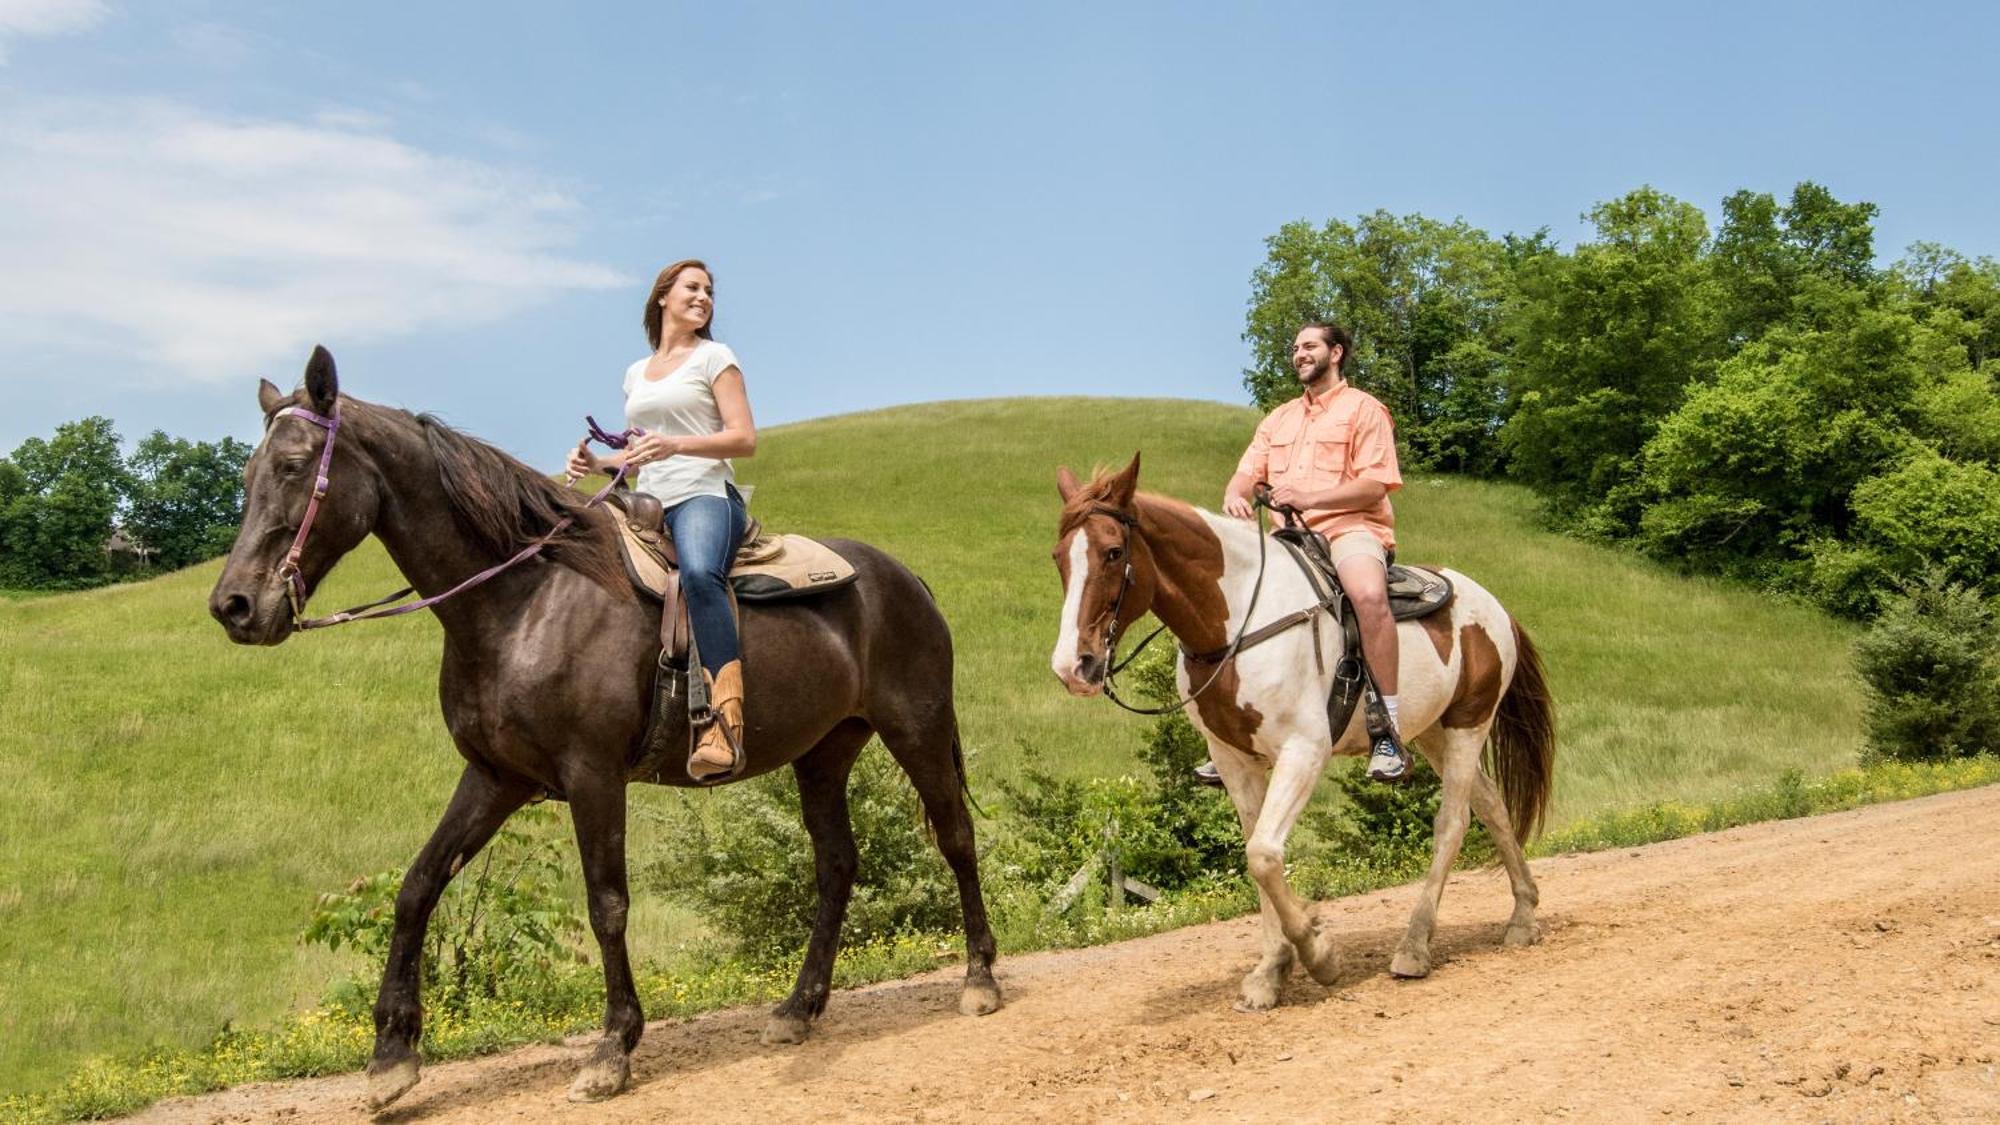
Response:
column 655, row 314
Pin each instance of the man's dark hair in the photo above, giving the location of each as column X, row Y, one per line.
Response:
column 1334, row 334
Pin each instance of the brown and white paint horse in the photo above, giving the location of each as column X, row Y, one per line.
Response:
column 1468, row 672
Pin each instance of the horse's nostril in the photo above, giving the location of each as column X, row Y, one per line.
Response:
column 234, row 610
column 1086, row 667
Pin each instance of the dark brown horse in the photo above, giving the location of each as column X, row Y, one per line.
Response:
column 548, row 675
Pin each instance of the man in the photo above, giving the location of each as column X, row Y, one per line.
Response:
column 1331, row 453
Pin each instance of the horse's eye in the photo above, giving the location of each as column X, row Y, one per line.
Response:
column 1114, row 554
column 292, row 468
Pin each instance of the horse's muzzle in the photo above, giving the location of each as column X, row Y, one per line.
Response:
column 1086, row 677
column 246, row 621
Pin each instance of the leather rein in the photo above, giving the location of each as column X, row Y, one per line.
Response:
column 295, row 585
column 1329, row 601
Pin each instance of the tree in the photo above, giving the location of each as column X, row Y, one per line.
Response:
column 186, row 498
column 59, row 504
column 1756, row 465
column 1605, row 342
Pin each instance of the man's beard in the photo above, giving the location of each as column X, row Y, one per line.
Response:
column 1316, row 372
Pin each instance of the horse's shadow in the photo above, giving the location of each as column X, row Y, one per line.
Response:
column 671, row 1050
column 1364, row 956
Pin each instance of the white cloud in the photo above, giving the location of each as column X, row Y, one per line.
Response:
column 169, row 242
column 20, row 18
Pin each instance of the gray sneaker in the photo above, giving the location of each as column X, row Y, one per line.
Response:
column 1388, row 762
column 1208, row 775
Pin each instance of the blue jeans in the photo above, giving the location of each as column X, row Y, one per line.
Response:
column 707, row 531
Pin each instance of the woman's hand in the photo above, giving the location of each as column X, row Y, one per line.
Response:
column 648, row 448
column 581, row 462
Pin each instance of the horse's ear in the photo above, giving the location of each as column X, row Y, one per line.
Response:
column 1124, row 485
column 1066, row 483
column 322, row 385
column 269, row 397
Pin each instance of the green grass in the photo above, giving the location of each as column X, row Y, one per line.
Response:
column 174, row 802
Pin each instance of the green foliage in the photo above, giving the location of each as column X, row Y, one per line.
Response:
column 1932, row 666
column 61, row 498
column 1390, row 827
column 740, row 857
column 1763, row 460
column 503, row 925
column 1605, row 341
column 186, row 498
column 57, row 504
column 1167, row 830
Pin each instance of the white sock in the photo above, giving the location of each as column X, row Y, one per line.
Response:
column 1389, row 705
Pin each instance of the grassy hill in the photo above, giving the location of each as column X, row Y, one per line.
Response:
column 174, row 802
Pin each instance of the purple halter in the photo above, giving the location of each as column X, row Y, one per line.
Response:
column 295, row 584
column 288, row 571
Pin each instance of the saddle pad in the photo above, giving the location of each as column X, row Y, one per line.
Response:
column 1416, row 591
column 768, row 568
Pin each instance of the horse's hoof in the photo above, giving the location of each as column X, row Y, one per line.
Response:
column 1521, row 935
column 1251, row 1005
column 982, row 999
column 1409, row 965
column 387, row 1083
column 1259, row 992
column 783, row 1031
column 1322, row 958
column 601, row 1078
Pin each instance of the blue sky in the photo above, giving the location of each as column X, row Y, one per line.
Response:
column 901, row 202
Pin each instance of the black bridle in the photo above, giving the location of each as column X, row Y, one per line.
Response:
column 1112, row 665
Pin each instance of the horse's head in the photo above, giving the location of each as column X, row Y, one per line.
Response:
column 1107, row 573
column 308, row 499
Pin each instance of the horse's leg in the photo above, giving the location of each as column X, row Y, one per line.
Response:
column 1246, row 782
column 1300, row 764
column 1487, row 805
column 477, row 809
column 597, row 805
column 822, row 776
column 1457, row 763
column 928, row 751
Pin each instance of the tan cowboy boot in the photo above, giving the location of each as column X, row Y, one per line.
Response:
column 719, row 753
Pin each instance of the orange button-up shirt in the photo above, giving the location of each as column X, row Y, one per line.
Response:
column 1314, row 443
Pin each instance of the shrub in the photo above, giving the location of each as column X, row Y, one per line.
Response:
column 741, row 858
column 503, row 928
column 1168, row 830
column 1931, row 664
column 1388, row 827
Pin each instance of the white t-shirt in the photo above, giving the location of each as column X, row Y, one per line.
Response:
column 681, row 405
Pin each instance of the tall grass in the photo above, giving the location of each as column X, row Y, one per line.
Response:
column 174, row 802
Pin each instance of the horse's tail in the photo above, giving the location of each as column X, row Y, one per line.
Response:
column 1523, row 755
column 964, row 783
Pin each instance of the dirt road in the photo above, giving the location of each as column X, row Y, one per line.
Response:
column 1843, row 968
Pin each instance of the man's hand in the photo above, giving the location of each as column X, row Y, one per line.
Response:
column 1238, row 504
column 1287, row 496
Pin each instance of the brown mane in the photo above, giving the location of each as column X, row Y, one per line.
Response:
column 503, row 504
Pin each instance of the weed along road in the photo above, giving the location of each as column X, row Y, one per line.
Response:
column 1842, row 968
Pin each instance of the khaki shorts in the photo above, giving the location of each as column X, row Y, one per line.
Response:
column 1346, row 546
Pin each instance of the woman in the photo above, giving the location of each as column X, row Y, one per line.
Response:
column 688, row 399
